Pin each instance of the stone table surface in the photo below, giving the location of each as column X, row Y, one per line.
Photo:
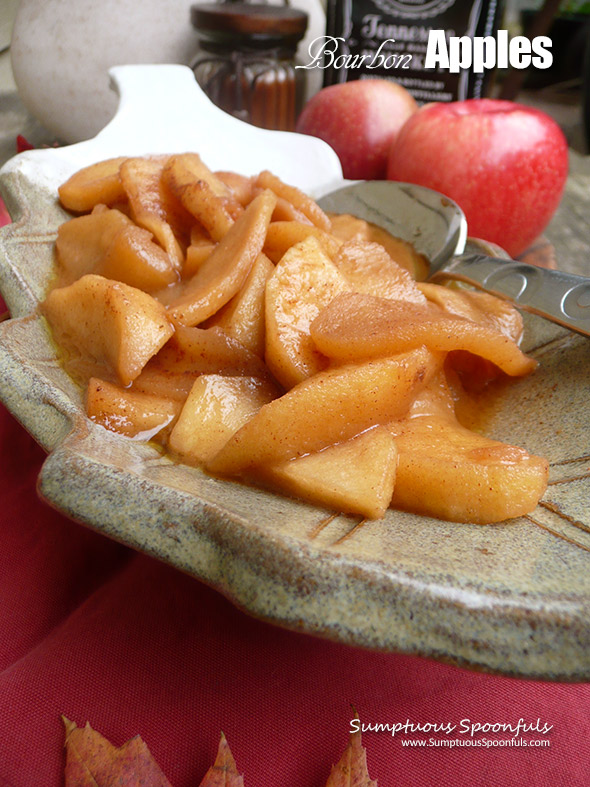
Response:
column 569, row 230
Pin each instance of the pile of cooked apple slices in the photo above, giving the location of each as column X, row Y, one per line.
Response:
column 255, row 336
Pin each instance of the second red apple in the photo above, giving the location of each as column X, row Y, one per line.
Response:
column 505, row 164
column 360, row 121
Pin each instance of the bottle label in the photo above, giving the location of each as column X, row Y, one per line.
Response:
column 389, row 39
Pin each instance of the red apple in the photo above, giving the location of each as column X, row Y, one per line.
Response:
column 504, row 163
column 360, row 120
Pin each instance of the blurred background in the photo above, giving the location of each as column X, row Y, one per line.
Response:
column 562, row 90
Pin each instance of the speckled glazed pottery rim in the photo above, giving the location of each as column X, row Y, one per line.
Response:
column 512, row 598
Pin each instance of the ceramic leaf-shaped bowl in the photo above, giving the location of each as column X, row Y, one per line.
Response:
column 511, row 598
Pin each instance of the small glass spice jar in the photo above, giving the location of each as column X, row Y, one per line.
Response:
column 246, row 60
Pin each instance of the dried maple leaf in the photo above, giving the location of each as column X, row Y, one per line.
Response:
column 351, row 770
column 92, row 761
column 223, row 773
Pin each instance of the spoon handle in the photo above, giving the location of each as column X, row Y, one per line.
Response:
column 560, row 297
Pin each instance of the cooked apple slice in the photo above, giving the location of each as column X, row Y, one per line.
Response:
column 449, row 472
column 325, row 409
column 97, row 183
column 481, row 307
column 216, row 407
column 109, row 321
column 184, row 168
column 301, row 201
column 128, row 412
column 196, row 255
column 351, row 228
column 155, row 379
column 286, row 211
column 206, row 207
column 203, row 195
column 241, row 186
column 282, row 235
column 133, row 258
column 152, row 204
column 82, row 242
column 303, row 282
column 370, row 269
column 225, row 270
column 474, row 372
column 356, row 476
column 356, row 326
column 209, row 350
column 243, row 317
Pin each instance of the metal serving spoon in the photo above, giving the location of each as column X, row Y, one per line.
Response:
column 437, row 228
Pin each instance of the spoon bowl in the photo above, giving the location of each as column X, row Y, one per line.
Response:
column 434, row 225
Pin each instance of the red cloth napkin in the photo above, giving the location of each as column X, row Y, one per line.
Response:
column 94, row 631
